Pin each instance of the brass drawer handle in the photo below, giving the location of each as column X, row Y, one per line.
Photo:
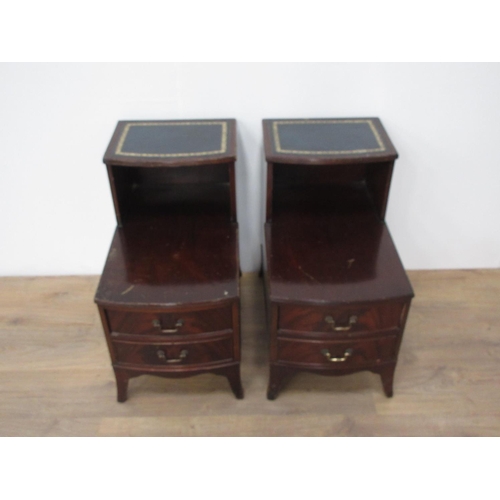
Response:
column 161, row 355
column 328, row 356
column 178, row 324
column 331, row 322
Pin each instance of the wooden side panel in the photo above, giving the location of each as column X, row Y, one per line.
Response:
column 378, row 181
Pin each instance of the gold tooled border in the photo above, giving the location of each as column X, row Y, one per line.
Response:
column 279, row 149
column 223, row 145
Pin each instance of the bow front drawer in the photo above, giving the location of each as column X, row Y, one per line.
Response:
column 344, row 319
column 170, row 323
column 172, row 354
column 337, row 354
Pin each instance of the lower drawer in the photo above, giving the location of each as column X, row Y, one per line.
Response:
column 337, row 354
column 174, row 353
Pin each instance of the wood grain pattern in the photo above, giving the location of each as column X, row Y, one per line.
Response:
column 363, row 353
column 171, row 261
column 333, row 260
column 369, row 318
column 179, row 323
column 56, row 378
column 159, row 354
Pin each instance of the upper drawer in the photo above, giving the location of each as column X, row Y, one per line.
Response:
column 170, row 323
column 343, row 319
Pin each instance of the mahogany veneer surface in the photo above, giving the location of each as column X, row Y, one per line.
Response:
column 333, row 259
column 170, row 261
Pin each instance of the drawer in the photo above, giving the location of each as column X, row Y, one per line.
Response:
column 337, row 354
column 170, row 323
column 344, row 319
column 172, row 354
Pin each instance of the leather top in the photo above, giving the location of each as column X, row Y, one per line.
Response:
column 328, row 137
column 327, row 140
column 164, row 143
column 173, row 139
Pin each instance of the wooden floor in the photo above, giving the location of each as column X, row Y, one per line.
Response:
column 56, row 378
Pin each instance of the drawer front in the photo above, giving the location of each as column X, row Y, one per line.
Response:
column 174, row 354
column 345, row 319
column 170, row 323
column 337, row 354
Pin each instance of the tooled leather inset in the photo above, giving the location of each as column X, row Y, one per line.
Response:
column 326, row 137
column 173, row 139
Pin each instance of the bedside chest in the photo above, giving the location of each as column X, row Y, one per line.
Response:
column 337, row 294
column 169, row 293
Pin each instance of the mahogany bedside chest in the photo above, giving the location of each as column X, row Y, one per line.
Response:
column 169, row 293
column 337, row 294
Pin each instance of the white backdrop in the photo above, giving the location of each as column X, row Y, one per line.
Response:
column 56, row 214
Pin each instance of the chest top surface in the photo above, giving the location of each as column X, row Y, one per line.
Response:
column 327, row 141
column 172, row 143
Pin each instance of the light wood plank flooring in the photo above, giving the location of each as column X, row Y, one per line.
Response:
column 56, row 378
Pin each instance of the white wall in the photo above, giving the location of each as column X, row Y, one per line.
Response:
column 56, row 214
